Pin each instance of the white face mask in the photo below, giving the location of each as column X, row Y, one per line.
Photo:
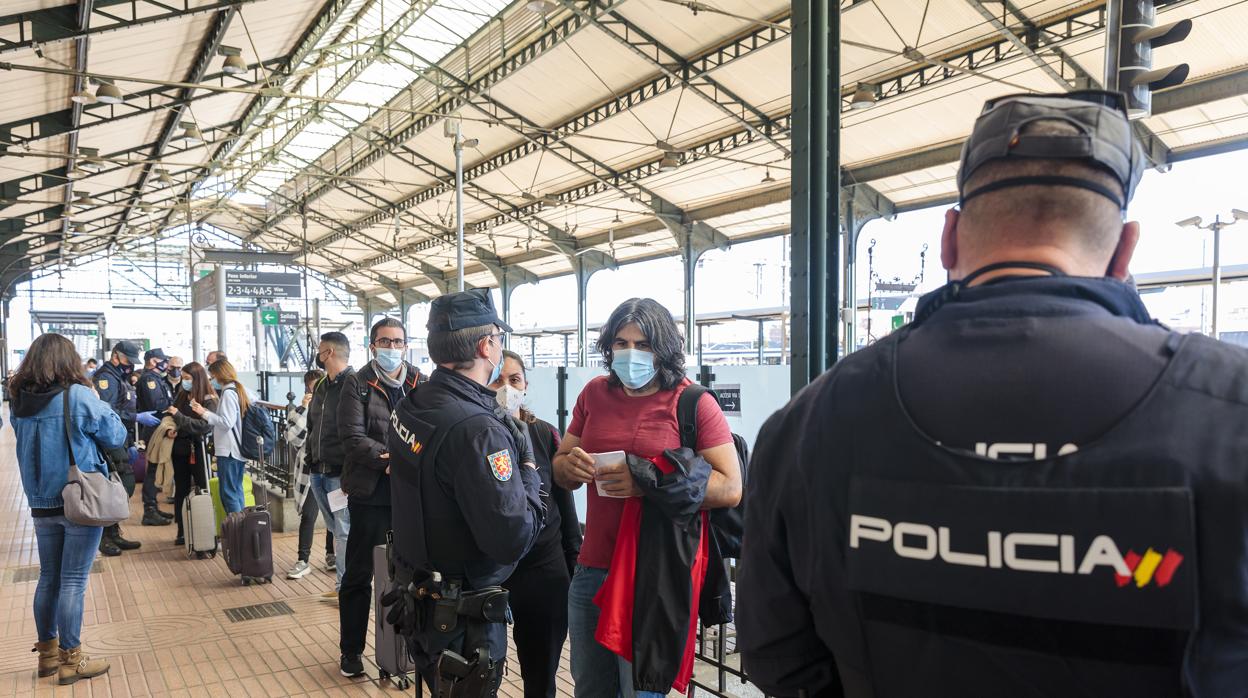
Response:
column 510, row 398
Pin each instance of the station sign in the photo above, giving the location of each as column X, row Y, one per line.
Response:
column 262, row 284
column 729, row 398
column 278, row 317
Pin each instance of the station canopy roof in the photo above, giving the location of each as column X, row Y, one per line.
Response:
column 597, row 133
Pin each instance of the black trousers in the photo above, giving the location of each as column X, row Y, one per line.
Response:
column 539, row 609
column 369, row 525
column 184, row 474
column 307, row 529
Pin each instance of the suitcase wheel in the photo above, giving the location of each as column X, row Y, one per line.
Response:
column 383, row 675
column 403, row 683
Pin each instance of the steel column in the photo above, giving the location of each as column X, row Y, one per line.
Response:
column 221, row 313
column 816, row 123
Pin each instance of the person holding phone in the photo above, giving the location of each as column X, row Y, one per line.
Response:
column 631, row 409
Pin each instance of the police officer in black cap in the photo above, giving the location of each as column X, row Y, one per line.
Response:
column 154, row 396
column 1032, row 489
column 467, row 503
column 112, row 384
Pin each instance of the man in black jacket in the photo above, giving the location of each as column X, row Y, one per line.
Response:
column 112, row 383
column 368, row 398
column 326, row 451
column 154, row 395
column 1007, row 497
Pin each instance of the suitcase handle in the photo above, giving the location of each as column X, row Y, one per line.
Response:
column 255, row 543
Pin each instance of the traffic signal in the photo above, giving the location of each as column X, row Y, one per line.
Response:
column 1139, row 36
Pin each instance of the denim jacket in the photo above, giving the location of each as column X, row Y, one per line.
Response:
column 41, row 447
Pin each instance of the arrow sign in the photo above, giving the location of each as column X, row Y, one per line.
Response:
column 269, row 316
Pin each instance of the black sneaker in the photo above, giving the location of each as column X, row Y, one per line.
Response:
column 108, row 548
column 352, row 665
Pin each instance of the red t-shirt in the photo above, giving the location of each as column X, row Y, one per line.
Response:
column 605, row 419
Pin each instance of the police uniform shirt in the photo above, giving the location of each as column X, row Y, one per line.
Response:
column 114, row 388
column 154, row 393
column 480, row 510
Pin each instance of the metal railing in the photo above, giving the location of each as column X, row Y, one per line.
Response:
column 275, row 472
column 716, row 665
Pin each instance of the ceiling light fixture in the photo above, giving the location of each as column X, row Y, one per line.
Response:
column 79, row 228
column 77, row 172
column 190, row 132
column 542, row 7
column 767, row 178
column 83, row 97
column 864, row 96
column 162, row 176
column 108, row 93
column 85, row 199
column 234, row 64
column 669, row 163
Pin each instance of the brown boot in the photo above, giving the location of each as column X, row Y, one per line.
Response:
column 49, row 656
column 76, row 665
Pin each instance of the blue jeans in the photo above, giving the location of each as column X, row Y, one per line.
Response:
column 596, row 671
column 338, row 522
column 230, row 480
column 66, row 551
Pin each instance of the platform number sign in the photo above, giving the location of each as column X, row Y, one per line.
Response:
column 257, row 284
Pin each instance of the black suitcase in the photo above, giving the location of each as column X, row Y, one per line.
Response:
column 247, row 544
column 393, row 661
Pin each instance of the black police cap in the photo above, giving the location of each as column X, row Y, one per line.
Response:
column 456, row 311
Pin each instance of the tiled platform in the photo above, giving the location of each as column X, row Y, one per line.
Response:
column 162, row 620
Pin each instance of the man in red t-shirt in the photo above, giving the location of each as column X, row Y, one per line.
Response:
column 632, row 409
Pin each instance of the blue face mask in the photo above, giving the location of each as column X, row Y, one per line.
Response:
column 187, row 384
column 389, row 359
column 497, row 369
column 215, row 384
column 634, row 367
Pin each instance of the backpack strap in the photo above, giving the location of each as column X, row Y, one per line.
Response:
column 687, row 414
column 69, row 441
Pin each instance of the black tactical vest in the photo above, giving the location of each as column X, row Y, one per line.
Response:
column 1118, row 569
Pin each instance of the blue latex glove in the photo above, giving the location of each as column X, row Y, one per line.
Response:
column 147, row 419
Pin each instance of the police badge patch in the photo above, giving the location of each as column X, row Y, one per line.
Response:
column 102, row 383
column 151, row 385
column 500, row 465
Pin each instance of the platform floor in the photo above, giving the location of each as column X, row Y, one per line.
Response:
column 161, row 619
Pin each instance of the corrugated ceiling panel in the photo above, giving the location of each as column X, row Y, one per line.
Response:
column 687, row 32
column 160, row 51
column 40, row 93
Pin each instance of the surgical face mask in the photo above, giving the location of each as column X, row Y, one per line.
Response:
column 215, row 385
column 389, row 359
column 187, row 385
column 497, row 368
column 162, row 367
column 634, row 367
column 175, row 371
column 126, row 369
column 510, row 399
column 320, row 363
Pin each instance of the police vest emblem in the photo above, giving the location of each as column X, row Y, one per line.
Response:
column 500, row 465
column 103, row 383
column 151, row 385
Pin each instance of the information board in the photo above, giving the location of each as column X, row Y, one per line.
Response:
column 262, row 284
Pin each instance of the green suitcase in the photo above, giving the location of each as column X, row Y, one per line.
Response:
column 214, row 486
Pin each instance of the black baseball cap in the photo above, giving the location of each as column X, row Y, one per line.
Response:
column 455, row 311
column 1105, row 139
column 131, row 350
column 156, row 353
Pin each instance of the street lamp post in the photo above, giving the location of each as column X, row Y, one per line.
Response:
column 453, row 130
column 1216, row 226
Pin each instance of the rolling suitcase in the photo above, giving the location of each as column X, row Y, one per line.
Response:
column 247, row 543
column 393, row 661
column 199, row 522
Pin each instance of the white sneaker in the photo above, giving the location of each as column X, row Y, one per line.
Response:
column 301, row 568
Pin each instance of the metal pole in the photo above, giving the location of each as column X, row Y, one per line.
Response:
column 221, row 313
column 1113, row 39
column 582, row 314
column 459, row 203
column 316, row 322
column 762, row 346
column 1217, row 271
column 690, row 286
column 257, row 336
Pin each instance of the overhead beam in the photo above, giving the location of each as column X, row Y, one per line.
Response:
column 452, row 102
column 207, row 51
column 26, row 30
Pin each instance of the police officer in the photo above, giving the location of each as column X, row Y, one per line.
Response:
column 154, row 395
column 112, row 384
column 1008, row 495
column 467, row 502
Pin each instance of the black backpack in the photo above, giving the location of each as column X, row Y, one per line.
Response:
column 727, row 525
column 257, row 428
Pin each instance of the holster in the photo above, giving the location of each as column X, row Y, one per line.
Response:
column 458, row 677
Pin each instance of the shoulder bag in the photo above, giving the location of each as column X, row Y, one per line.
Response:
column 92, row 498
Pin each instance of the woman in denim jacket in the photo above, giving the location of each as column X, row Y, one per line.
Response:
column 66, row 549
